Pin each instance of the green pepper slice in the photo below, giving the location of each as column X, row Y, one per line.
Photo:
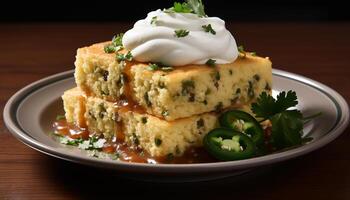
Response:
column 245, row 123
column 228, row 144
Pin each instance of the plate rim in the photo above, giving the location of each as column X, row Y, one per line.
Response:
column 10, row 119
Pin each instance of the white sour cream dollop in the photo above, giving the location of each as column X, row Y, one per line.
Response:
column 153, row 40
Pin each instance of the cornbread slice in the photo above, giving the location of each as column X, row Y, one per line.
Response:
column 156, row 136
column 185, row 91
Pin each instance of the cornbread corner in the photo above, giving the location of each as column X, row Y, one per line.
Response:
column 74, row 107
column 184, row 92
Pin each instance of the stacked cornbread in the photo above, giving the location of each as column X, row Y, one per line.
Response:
column 163, row 111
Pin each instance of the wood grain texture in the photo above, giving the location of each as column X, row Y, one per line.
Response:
column 32, row 51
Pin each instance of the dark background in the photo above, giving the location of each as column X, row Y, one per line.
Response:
column 128, row 10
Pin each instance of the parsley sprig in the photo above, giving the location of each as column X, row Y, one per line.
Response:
column 154, row 20
column 266, row 106
column 123, row 57
column 116, row 44
column 91, row 144
column 209, row 29
column 211, row 62
column 60, row 117
column 159, row 66
column 181, row 33
column 190, row 6
column 197, row 7
column 181, row 8
column 287, row 123
column 244, row 53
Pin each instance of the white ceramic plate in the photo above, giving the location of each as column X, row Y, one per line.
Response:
column 30, row 112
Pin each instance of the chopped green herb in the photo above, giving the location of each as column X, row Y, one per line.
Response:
column 120, row 57
column 60, row 117
column 165, row 113
column 116, row 44
column 230, row 71
column 128, row 56
column 154, row 20
column 147, row 100
column 159, row 66
column 93, row 139
column 153, row 67
column 216, row 78
column 110, row 48
column 69, row 141
column 144, row 120
column 200, row 123
column 157, row 142
column 209, row 29
column 117, row 39
column 238, row 91
column 210, row 62
column 181, row 33
column 190, row 6
column 182, row 7
column 170, row 157
column 123, row 57
column 208, row 91
column 219, row 107
column 256, row 77
column 105, row 91
column 179, row 8
column 217, row 75
column 241, row 49
column 244, row 53
column 251, row 92
column 197, row 7
column 116, row 156
column 187, row 87
column 135, row 139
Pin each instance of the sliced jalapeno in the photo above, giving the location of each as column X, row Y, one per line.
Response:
column 228, row 144
column 243, row 122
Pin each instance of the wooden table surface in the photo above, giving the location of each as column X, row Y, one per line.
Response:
column 31, row 51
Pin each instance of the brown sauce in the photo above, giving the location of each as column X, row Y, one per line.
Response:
column 132, row 154
column 126, row 101
column 63, row 128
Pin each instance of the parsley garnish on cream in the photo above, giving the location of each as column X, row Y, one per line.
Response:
column 190, row 6
column 209, row 29
column 181, row 33
column 116, row 44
